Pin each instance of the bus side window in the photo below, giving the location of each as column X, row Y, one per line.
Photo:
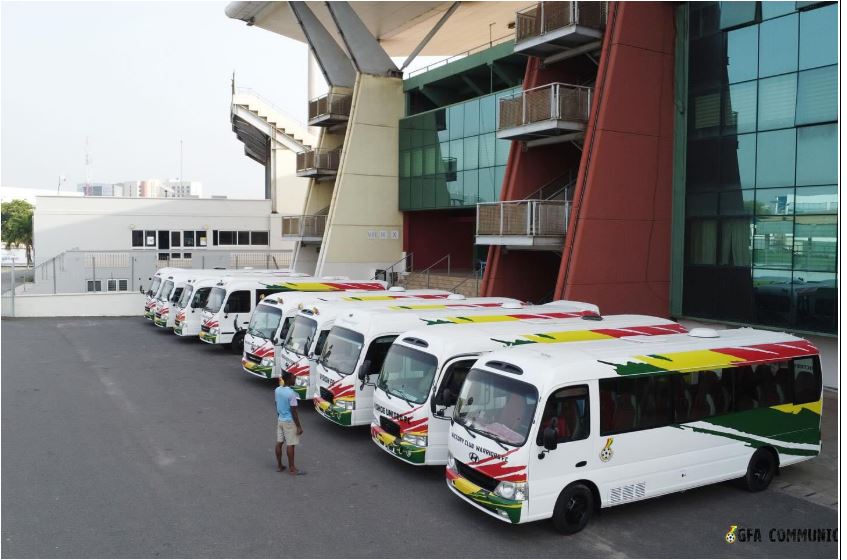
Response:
column 262, row 294
column 745, row 389
column 452, row 384
column 319, row 345
column 238, row 302
column 283, row 331
column 377, row 351
column 567, row 410
column 807, row 380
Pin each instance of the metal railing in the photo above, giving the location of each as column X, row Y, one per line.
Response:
column 461, row 55
column 307, row 225
column 556, row 101
column 320, row 159
column 333, row 103
column 545, row 17
column 265, row 101
column 389, row 274
column 436, row 263
column 522, row 218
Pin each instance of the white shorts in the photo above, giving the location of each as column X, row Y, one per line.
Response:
column 286, row 432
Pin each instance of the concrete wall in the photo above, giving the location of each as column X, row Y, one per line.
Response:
column 364, row 229
column 288, row 189
column 79, row 305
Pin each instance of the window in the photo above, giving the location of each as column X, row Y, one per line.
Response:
column 226, row 238
column 137, row 238
column 817, row 95
column 819, row 37
column 164, row 256
column 778, row 46
column 816, row 242
column 116, row 285
column 702, row 242
column 807, row 380
column 448, row 391
column 817, row 155
column 238, row 302
column 188, row 238
column 263, row 293
column 777, row 100
column 739, row 108
column 175, row 241
column 243, row 237
column 737, row 13
column 773, row 242
column 702, row 394
column 775, row 158
column 214, row 237
column 149, row 238
column 201, row 238
column 258, row 238
column 186, row 255
column 735, row 242
column 376, row 353
column 567, row 411
column 319, row 345
column 94, row 286
column 175, row 255
column 635, row 403
column 742, row 54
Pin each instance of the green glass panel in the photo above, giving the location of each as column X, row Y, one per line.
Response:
column 486, row 185
column 703, row 164
column 470, row 151
column 487, row 114
column 816, row 200
column 702, row 242
column 429, row 161
column 705, row 114
column 457, row 151
column 441, row 125
column 737, row 202
column 816, row 301
column 405, row 163
column 486, row 150
column 742, row 54
column 704, row 18
column 817, row 95
column 738, row 161
column 772, row 296
column 816, row 243
column 405, row 195
column 775, row 9
column 500, row 175
column 737, row 13
column 405, row 136
column 444, row 150
column 417, row 162
column 455, row 190
column 456, row 121
column 817, row 155
column 735, row 242
column 819, row 37
column 775, row 201
column 471, row 117
column 777, row 100
column 778, row 46
column 502, row 148
column 701, row 204
column 773, row 242
column 739, row 108
column 775, row 158
column 442, row 195
column 416, row 193
column 428, row 192
column 470, row 192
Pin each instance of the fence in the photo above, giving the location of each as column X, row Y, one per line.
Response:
column 331, row 104
column 318, row 160
column 554, row 101
column 304, row 226
column 522, row 218
column 545, row 17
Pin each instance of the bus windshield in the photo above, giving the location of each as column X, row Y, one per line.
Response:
column 265, row 321
column 300, row 335
column 166, row 290
column 154, row 287
column 342, row 349
column 216, row 300
column 496, row 406
column 201, row 296
column 185, row 297
column 407, row 373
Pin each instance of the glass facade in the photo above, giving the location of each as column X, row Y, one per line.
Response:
column 450, row 157
column 761, row 182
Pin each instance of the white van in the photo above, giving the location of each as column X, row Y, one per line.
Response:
column 273, row 316
column 424, row 370
column 232, row 301
column 557, row 431
column 152, row 292
column 358, row 342
column 303, row 345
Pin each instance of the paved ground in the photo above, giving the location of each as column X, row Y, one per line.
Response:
column 121, row 440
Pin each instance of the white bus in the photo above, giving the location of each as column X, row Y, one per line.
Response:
column 558, row 431
column 273, row 316
column 357, row 344
column 303, row 345
column 232, row 300
column 425, row 368
column 152, row 292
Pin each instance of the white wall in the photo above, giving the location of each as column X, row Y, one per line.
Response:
column 79, row 305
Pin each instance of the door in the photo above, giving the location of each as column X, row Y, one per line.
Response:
column 445, row 391
column 567, row 410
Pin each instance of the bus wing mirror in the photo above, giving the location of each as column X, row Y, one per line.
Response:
column 226, row 308
column 363, row 370
column 551, row 436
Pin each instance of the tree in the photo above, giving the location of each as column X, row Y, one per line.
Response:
column 16, row 225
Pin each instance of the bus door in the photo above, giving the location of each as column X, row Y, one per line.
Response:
column 445, row 392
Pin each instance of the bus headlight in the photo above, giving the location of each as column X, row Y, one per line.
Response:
column 512, row 490
column 302, row 381
column 451, row 462
column 344, row 405
column 267, row 362
column 214, row 330
column 419, row 441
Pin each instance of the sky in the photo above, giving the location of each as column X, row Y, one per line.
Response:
column 135, row 78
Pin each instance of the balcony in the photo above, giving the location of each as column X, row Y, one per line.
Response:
column 550, row 110
column 523, row 224
column 318, row 164
column 548, row 28
column 330, row 109
column 306, row 228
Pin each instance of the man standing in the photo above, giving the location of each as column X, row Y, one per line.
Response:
column 288, row 427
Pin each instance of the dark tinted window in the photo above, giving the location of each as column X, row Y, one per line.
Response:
column 567, row 411
column 635, row 403
column 244, row 238
column 807, row 380
column 702, row 394
column 239, row 302
column 175, row 239
column 226, row 238
column 450, row 386
column 258, row 238
column 188, row 237
column 137, row 238
column 319, row 345
column 377, row 351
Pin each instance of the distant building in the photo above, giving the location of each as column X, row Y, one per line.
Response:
column 148, row 188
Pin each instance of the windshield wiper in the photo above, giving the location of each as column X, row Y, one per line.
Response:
column 467, row 429
column 403, row 398
column 495, row 438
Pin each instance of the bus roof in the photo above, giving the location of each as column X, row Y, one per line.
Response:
column 447, row 340
column 286, row 300
column 334, row 308
column 641, row 355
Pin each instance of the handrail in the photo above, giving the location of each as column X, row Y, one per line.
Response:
column 552, row 101
column 524, row 217
column 250, row 91
column 439, row 261
column 544, row 17
column 449, row 59
column 405, row 258
column 331, row 103
column 475, row 275
column 538, row 193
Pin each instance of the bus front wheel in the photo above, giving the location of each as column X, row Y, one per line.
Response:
column 760, row 470
column 573, row 509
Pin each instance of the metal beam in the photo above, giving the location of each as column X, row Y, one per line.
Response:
column 333, row 61
column 437, row 95
column 478, row 90
column 504, row 74
column 554, row 139
column 570, row 53
column 368, row 55
column 430, row 35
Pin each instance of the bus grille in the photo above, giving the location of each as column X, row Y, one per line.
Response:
column 481, row 480
column 327, row 395
column 253, row 358
column 389, row 426
column 204, row 328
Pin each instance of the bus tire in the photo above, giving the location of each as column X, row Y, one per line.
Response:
column 237, row 344
column 760, row 470
column 573, row 509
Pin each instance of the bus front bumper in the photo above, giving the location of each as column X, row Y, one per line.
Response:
column 412, row 454
column 505, row 510
column 333, row 412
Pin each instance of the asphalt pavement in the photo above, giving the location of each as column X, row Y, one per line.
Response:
column 120, row 439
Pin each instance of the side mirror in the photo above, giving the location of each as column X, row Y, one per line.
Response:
column 550, row 438
column 226, row 308
column 275, row 341
column 363, row 370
